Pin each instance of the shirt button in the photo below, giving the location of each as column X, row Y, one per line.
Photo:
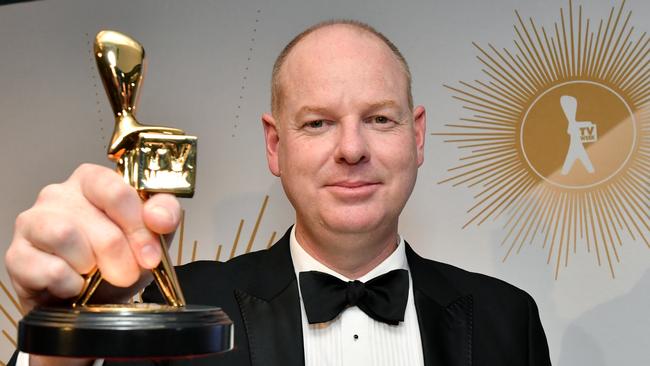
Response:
column 356, row 336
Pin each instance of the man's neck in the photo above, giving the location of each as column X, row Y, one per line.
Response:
column 351, row 255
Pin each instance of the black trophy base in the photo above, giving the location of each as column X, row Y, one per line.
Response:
column 133, row 331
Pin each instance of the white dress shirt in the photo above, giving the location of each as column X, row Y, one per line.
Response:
column 353, row 338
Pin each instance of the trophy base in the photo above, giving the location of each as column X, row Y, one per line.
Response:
column 132, row 331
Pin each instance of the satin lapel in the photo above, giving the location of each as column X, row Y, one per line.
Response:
column 270, row 309
column 444, row 315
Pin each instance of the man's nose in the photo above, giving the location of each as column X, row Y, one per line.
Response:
column 352, row 144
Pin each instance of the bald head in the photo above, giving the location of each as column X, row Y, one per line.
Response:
column 325, row 33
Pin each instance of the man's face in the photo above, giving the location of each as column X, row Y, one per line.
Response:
column 345, row 143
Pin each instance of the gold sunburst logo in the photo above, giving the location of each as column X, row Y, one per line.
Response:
column 558, row 140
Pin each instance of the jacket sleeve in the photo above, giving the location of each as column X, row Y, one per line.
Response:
column 538, row 353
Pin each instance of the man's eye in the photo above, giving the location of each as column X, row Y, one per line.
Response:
column 315, row 124
column 380, row 119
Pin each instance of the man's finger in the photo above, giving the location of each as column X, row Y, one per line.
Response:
column 162, row 213
column 53, row 233
column 40, row 271
column 121, row 203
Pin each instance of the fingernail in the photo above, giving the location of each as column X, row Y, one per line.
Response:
column 163, row 214
column 150, row 255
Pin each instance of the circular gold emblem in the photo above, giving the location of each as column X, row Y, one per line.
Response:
column 578, row 134
column 558, row 138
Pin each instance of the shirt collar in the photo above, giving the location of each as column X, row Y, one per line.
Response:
column 303, row 261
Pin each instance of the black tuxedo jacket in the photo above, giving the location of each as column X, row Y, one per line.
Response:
column 465, row 318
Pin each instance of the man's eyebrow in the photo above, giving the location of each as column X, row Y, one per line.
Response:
column 312, row 109
column 388, row 103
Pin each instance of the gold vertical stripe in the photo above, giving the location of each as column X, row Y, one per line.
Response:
column 218, row 255
column 234, row 244
column 179, row 255
column 194, row 250
column 271, row 239
column 10, row 338
column 249, row 247
column 8, row 316
column 12, row 298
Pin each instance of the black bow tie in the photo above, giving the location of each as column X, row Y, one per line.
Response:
column 383, row 298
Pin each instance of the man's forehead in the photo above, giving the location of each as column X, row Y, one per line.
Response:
column 337, row 41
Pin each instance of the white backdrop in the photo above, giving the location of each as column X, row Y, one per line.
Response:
column 209, row 71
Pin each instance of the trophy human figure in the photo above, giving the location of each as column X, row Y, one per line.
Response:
column 574, row 129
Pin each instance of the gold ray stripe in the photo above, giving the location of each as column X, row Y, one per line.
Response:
column 567, row 60
column 492, row 158
column 489, row 109
column 609, row 222
column 625, row 205
column 532, row 208
column 490, row 152
column 544, row 64
column 574, row 70
column 614, row 53
column 505, row 75
column 526, row 68
column 498, row 90
column 510, row 104
column 12, row 298
column 495, row 103
column 218, row 255
column 234, row 244
column 489, row 117
column 592, row 57
column 10, row 338
column 630, row 60
column 553, row 232
column 484, row 122
column 534, row 55
column 179, row 255
column 487, row 167
column 497, row 171
column 618, row 213
column 194, row 250
column 498, row 181
column 561, row 247
column 271, row 240
column 249, row 247
column 602, row 47
column 536, row 220
column 514, row 181
column 532, row 81
column 621, row 53
column 633, row 204
column 498, row 148
column 552, row 219
column 495, row 79
column 509, row 130
column 602, row 224
column 529, row 205
column 590, row 213
column 516, row 196
column 8, row 316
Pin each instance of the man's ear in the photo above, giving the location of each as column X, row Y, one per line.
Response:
column 420, row 127
column 272, row 140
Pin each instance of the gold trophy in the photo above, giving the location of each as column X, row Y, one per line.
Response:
column 152, row 159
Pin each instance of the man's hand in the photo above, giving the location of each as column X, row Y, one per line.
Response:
column 91, row 219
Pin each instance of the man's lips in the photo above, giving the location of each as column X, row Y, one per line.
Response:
column 353, row 189
column 352, row 184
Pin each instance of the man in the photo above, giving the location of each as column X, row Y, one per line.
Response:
column 346, row 141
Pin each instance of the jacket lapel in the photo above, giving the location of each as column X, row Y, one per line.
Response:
column 444, row 315
column 270, row 310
